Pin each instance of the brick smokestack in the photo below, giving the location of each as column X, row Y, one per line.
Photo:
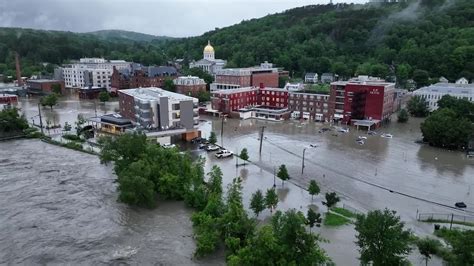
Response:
column 18, row 69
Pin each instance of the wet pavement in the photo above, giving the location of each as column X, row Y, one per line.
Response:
column 421, row 178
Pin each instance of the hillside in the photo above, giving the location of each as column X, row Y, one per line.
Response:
column 432, row 35
column 126, row 35
column 410, row 40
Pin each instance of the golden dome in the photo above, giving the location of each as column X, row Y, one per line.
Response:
column 209, row 48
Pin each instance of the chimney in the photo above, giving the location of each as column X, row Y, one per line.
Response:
column 18, row 70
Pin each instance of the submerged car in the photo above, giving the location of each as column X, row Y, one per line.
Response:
column 460, row 204
column 212, row 148
column 387, row 136
column 168, row 146
column 224, row 154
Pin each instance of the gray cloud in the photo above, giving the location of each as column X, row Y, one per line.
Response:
column 160, row 17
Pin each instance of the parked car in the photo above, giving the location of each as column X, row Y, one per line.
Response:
column 168, row 146
column 224, row 154
column 212, row 148
column 343, row 130
column 460, row 204
column 371, row 133
column 387, row 136
column 198, row 140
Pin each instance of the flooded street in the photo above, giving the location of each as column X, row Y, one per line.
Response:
column 59, row 206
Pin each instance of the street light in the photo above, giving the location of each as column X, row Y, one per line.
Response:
column 302, row 165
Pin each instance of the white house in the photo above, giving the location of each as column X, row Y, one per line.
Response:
column 311, row 78
column 462, row 81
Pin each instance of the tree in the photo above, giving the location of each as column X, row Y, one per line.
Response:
column 313, row 218
column 462, row 107
column 244, row 155
column 169, row 85
column 313, row 188
column 104, row 96
column 418, row 106
column 11, row 121
column 463, row 247
column 79, row 123
column 67, row 127
column 331, row 199
column 257, row 202
column 381, row 238
column 284, row 242
column 427, row 247
column 421, row 77
column 444, row 128
column 271, row 199
column 402, row 116
column 213, row 138
column 204, row 96
column 283, row 174
column 56, row 88
column 49, row 100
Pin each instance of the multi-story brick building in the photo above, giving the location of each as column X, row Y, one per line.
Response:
column 44, row 86
column 190, row 85
column 264, row 75
column 309, row 105
column 231, row 101
column 141, row 77
column 362, row 98
column 8, row 99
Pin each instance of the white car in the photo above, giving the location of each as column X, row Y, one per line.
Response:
column 224, row 154
column 343, row 130
column 169, row 146
column 387, row 136
column 212, row 148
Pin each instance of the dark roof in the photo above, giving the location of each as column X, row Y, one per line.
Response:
column 310, row 74
column 154, row 71
column 327, row 74
column 116, row 119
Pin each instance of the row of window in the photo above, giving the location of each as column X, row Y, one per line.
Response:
column 311, row 97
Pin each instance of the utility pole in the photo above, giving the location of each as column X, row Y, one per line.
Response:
column 274, row 176
column 95, row 108
column 261, row 139
column 222, row 131
column 41, row 119
column 302, row 165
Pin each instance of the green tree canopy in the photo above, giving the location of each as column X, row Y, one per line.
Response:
column 213, row 138
column 418, row 106
column 104, row 96
column 283, row 173
column 49, row 100
column 331, row 199
column 313, row 218
column 244, row 154
column 402, row 116
column 381, row 238
column 169, row 85
column 271, row 199
column 313, row 188
column 11, row 121
column 257, row 202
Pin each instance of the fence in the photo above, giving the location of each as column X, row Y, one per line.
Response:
column 445, row 217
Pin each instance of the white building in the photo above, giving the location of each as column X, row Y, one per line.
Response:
column 95, row 72
column 462, row 81
column 209, row 63
column 311, row 78
column 189, row 80
column 294, row 86
column 436, row 91
column 157, row 109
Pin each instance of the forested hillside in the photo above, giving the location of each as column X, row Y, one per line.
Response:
column 433, row 37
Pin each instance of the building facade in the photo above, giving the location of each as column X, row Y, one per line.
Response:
column 44, row 86
column 362, row 98
column 261, row 76
column 309, row 105
column 95, row 72
column 8, row 99
column 311, row 78
column 157, row 109
column 209, row 63
column 190, row 85
column 231, row 101
column 436, row 91
column 139, row 76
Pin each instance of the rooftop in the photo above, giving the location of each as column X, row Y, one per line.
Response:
column 153, row 93
column 43, row 80
column 237, row 90
column 364, row 80
column 448, row 88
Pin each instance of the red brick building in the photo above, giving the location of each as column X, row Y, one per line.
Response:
column 44, row 86
column 362, row 98
column 8, row 99
column 190, row 85
column 309, row 105
column 264, row 75
column 142, row 77
column 230, row 101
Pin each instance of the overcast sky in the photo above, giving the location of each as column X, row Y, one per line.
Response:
column 177, row 18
